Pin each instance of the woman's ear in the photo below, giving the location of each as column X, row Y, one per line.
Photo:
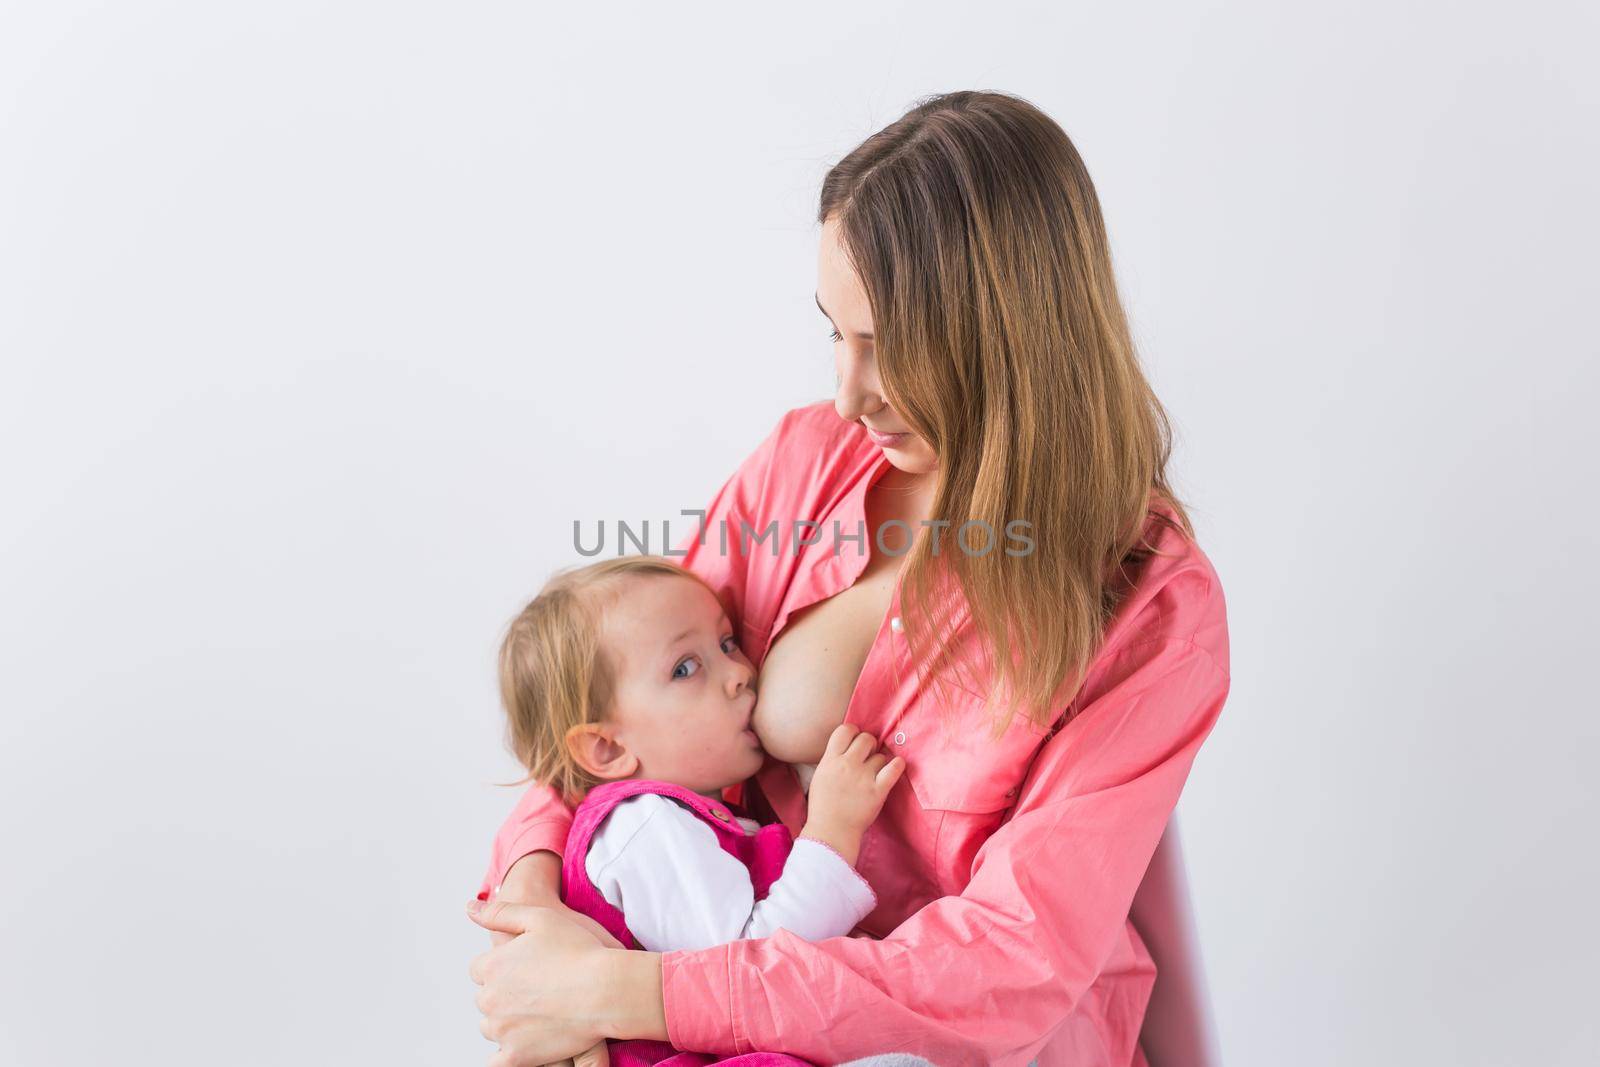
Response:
column 597, row 751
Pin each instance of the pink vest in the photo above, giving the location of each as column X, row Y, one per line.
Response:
column 763, row 852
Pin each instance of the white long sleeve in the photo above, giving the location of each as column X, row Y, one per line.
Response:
column 661, row 865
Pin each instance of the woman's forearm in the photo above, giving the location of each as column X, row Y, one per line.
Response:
column 633, row 1003
column 534, row 879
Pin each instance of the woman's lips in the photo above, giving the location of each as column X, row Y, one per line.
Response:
column 886, row 440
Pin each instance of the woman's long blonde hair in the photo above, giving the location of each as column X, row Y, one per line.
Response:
column 554, row 671
column 1001, row 340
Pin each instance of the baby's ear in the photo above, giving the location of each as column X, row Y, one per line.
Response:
column 598, row 752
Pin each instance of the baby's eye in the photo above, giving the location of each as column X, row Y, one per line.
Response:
column 678, row 671
column 729, row 640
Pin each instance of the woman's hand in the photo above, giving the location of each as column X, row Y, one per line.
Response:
column 540, row 1000
column 536, row 879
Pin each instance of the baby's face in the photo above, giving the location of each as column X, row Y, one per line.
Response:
column 685, row 690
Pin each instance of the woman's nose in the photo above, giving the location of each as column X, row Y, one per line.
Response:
column 855, row 394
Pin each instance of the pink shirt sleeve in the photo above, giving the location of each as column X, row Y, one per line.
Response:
column 541, row 819
column 988, row 975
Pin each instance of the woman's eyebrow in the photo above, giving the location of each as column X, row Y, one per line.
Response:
column 818, row 299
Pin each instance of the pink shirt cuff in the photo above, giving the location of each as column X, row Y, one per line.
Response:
column 697, row 996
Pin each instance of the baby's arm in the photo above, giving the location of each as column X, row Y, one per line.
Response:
column 848, row 789
column 679, row 889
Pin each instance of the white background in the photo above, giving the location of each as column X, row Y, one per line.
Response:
column 321, row 323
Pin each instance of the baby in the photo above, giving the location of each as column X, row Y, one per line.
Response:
column 624, row 686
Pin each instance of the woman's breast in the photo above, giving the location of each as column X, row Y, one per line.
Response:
column 810, row 669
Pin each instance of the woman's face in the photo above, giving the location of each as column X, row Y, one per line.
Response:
column 859, row 396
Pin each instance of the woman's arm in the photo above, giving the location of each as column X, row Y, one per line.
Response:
column 986, row 976
column 539, row 822
column 534, row 879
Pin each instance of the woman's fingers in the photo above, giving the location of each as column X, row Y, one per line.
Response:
column 500, row 915
column 601, row 934
column 534, row 989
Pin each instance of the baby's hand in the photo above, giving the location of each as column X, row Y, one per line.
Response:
column 848, row 789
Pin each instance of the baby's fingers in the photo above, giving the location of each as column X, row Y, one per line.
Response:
column 863, row 745
column 889, row 774
column 841, row 738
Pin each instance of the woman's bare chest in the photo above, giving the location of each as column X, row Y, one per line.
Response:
column 817, row 657
column 812, row 666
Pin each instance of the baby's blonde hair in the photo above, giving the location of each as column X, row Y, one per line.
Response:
column 554, row 673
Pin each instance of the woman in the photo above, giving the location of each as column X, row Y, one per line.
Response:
column 1049, row 694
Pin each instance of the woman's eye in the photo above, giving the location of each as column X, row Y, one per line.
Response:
column 678, row 671
column 835, row 336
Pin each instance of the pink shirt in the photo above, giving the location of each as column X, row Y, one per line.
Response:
column 1004, row 869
